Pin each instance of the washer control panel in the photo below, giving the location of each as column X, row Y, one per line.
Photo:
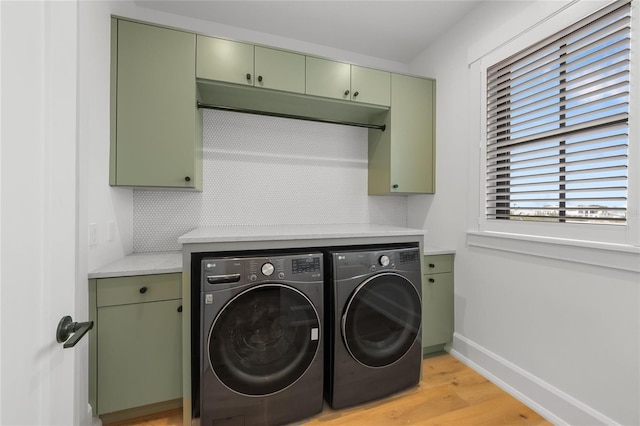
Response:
column 232, row 271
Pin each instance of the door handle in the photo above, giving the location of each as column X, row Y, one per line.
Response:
column 67, row 327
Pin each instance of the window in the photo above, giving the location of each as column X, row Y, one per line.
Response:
column 557, row 125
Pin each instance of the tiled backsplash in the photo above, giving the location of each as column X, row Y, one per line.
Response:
column 263, row 170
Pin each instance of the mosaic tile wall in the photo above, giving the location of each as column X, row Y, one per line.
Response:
column 263, row 170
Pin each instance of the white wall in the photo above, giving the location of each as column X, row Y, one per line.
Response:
column 560, row 335
column 103, row 203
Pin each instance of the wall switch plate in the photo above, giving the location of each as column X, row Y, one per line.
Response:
column 93, row 234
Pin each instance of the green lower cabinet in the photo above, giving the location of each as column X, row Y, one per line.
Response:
column 437, row 303
column 136, row 344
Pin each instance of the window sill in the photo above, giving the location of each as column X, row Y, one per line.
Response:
column 616, row 256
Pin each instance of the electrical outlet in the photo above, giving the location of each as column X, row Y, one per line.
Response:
column 93, row 234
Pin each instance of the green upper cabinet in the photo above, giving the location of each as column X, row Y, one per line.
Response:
column 370, row 86
column 224, row 60
column 249, row 65
column 402, row 158
column 160, row 74
column 156, row 126
column 339, row 80
column 279, row 70
column 329, row 79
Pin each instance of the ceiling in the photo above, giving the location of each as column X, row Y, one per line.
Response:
column 392, row 30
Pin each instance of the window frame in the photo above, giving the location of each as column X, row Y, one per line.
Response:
column 591, row 234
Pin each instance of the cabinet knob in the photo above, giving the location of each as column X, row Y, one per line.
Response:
column 180, row 308
column 431, row 265
column 356, row 94
column 346, row 92
column 432, row 280
column 143, row 290
column 248, row 76
column 260, row 78
column 187, row 179
column 395, row 186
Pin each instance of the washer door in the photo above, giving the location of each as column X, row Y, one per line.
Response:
column 264, row 339
column 382, row 320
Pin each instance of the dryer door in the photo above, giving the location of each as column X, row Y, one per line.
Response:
column 382, row 319
column 264, row 339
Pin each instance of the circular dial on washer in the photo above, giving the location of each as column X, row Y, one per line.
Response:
column 267, row 269
column 384, row 260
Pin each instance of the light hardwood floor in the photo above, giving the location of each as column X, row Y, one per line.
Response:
column 450, row 393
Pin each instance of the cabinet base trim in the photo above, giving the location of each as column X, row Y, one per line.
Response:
column 429, row 351
column 132, row 413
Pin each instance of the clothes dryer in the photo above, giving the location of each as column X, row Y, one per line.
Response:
column 374, row 323
column 261, row 358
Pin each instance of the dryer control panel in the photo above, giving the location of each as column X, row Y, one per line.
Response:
column 349, row 263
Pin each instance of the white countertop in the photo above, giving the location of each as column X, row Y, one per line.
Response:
column 432, row 250
column 170, row 262
column 293, row 232
column 141, row 264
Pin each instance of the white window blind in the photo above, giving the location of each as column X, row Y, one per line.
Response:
column 557, row 125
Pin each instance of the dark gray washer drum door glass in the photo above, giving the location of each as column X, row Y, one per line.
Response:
column 264, row 339
column 382, row 320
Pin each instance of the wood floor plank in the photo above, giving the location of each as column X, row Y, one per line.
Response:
column 503, row 410
column 408, row 408
column 442, row 369
column 449, row 394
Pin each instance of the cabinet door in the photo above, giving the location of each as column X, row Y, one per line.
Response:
column 412, row 129
column 329, row 79
column 437, row 309
column 279, row 70
column 370, row 86
column 139, row 354
column 224, row 60
column 156, row 114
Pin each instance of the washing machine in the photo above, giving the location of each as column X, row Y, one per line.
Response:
column 374, row 311
column 261, row 358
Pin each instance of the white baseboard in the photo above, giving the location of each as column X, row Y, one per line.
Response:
column 553, row 404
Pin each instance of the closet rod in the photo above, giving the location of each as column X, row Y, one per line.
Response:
column 381, row 127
